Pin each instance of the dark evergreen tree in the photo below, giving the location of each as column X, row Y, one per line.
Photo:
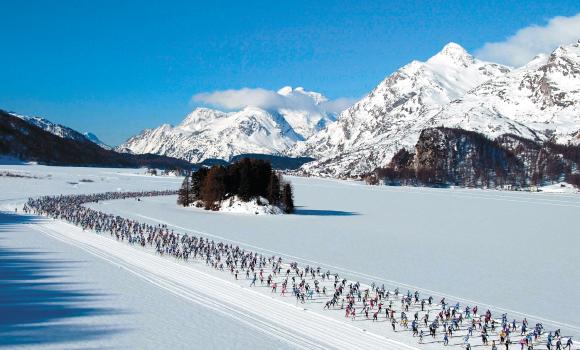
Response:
column 287, row 198
column 183, row 195
column 245, row 180
column 574, row 179
column 213, row 189
column 274, row 189
column 197, row 179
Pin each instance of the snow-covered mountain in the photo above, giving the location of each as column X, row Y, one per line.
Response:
column 61, row 130
column 213, row 134
column 94, row 139
column 539, row 101
column 25, row 140
column 392, row 116
column 305, row 121
column 544, row 95
column 53, row 128
column 451, row 89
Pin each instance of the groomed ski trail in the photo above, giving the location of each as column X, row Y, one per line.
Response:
column 298, row 326
column 368, row 277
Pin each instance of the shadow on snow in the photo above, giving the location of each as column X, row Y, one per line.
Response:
column 319, row 212
column 37, row 308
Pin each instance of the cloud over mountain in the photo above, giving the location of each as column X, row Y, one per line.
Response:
column 297, row 99
column 527, row 42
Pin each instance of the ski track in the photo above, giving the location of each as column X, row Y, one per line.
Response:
column 370, row 278
column 180, row 291
column 298, row 326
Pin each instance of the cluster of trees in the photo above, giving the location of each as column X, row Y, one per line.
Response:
column 246, row 179
column 574, row 179
column 447, row 156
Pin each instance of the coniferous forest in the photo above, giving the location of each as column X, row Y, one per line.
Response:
column 447, row 156
column 246, row 178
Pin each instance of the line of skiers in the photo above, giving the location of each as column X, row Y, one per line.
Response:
column 369, row 301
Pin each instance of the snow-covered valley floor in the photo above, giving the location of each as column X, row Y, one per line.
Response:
column 514, row 251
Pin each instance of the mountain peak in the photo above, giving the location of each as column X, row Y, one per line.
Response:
column 455, row 52
column 289, row 91
column 285, row 91
column 94, row 139
column 200, row 115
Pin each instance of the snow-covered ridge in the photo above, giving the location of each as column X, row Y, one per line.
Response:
column 543, row 95
column 94, row 139
column 209, row 133
column 53, row 128
column 453, row 89
column 61, row 130
column 394, row 113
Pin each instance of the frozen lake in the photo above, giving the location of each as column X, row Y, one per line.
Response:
column 515, row 251
column 56, row 296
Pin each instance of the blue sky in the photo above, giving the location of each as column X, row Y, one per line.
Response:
column 116, row 67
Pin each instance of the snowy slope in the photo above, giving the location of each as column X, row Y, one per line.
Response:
column 53, row 128
column 543, row 95
column 326, row 231
column 394, row 113
column 394, row 246
column 61, row 130
column 209, row 133
column 83, row 300
column 305, row 121
column 94, row 139
column 539, row 101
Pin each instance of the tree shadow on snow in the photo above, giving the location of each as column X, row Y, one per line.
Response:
column 318, row 212
column 37, row 308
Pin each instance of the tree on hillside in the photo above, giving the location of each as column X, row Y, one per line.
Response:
column 183, row 195
column 213, row 189
column 287, row 198
column 197, row 179
column 245, row 180
column 274, row 189
column 260, row 175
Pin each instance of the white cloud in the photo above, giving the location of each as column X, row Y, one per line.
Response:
column 271, row 100
column 338, row 105
column 520, row 48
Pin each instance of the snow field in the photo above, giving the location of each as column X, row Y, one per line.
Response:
column 502, row 249
column 170, row 275
column 302, row 328
column 473, row 246
column 82, row 301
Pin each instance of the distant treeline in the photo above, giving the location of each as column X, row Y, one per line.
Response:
column 245, row 178
column 277, row 162
column 456, row 157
